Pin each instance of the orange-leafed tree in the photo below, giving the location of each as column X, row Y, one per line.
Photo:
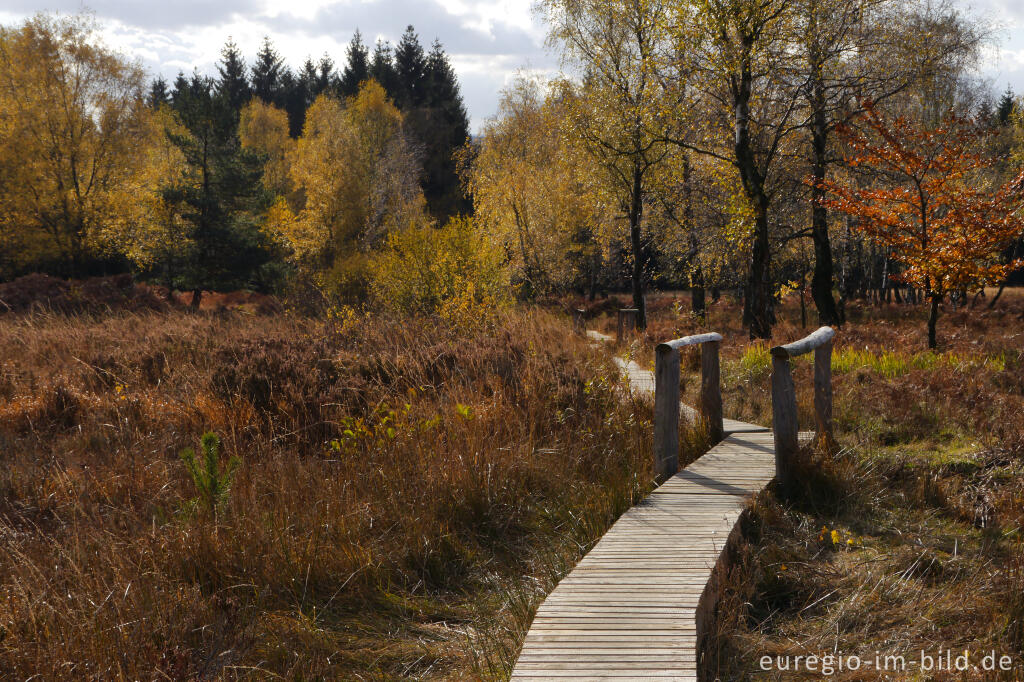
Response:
column 930, row 202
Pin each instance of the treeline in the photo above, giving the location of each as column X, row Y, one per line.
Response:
column 257, row 177
column 834, row 148
column 733, row 144
column 421, row 84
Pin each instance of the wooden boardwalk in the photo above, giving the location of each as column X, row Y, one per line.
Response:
column 633, row 608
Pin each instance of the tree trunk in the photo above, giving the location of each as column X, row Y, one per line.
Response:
column 197, row 297
column 803, row 306
column 697, row 298
column 635, row 215
column 821, row 279
column 759, row 291
column 933, row 317
column 593, row 277
column 757, row 306
column 698, row 302
column 1002, row 285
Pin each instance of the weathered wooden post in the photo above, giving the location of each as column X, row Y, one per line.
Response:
column 823, row 393
column 666, row 410
column 784, row 422
column 784, row 418
column 577, row 320
column 628, row 317
column 666, row 397
column 711, row 389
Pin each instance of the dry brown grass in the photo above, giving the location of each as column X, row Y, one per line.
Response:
column 407, row 492
column 926, row 498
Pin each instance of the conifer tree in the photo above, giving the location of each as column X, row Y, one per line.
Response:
column 158, row 93
column 325, row 76
column 179, row 90
column 267, row 73
column 1004, row 110
column 219, row 196
column 357, row 69
column 446, row 130
column 411, row 69
column 382, row 68
column 233, row 85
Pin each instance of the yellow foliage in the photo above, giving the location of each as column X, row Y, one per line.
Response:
column 70, row 125
column 264, row 127
column 534, row 191
column 456, row 271
column 145, row 227
column 356, row 180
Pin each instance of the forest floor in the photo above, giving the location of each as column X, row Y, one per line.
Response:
column 905, row 541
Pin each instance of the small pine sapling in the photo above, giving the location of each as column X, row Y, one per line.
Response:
column 212, row 483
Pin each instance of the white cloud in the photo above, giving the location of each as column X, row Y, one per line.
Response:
column 488, row 41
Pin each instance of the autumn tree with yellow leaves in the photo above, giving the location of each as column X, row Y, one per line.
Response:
column 71, row 119
column 356, row 180
column 614, row 113
column 537, row 193
column 264, row 128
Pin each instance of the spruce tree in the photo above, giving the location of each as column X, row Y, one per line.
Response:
column 267, row 73
column 291, row 97
column 382, row 68
column 357, row 68
column 1004, row 110
column 441, row 126
column 219, row 195
column 179, row 90
column 299, row 93
column 158, row 93
column 411, row 69
column 233, row 85
column 325, row 76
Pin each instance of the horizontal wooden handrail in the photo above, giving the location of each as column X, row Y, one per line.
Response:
column 816, row 338
column 692, row 340
column 666, row 397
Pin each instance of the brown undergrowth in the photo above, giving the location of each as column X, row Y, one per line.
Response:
column 407, row 491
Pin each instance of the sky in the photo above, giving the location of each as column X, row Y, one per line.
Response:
column 488, row 41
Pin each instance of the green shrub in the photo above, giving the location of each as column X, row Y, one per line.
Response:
column 212, row 483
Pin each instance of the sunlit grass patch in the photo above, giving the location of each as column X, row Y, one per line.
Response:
column 892, row 364
column 756, row 360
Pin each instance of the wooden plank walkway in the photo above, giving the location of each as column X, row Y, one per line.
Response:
column 633, row 608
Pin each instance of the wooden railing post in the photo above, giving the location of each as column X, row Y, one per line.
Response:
column 784, row 422
column 666, row 397
column 666, row 410
column 628, row 318
column 823, row 391
column 577, row 320
column 711, row 389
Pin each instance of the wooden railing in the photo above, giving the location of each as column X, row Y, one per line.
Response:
column 784, row 420
column 666, row 397
column 579, row 316
column 627, row 322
